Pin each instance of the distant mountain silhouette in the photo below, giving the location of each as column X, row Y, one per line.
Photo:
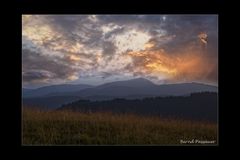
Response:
column 136, row 83
column 48, row 90
column 130, row 89
column 141, row 88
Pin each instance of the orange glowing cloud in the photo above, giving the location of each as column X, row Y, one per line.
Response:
column 75, row 58
column 186, row 65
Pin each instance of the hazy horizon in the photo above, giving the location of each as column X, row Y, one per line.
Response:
column 35, row 87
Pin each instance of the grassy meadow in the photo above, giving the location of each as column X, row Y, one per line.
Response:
column 75, row 128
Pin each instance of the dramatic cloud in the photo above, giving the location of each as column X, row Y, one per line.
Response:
column 185, row 65
column 97, row 48
column 40, row 68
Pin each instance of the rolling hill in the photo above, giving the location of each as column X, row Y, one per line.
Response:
column 131, row 89
column 51, row 90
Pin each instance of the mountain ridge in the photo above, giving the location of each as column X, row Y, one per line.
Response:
column 131, row 89
column 43, row 91
column 120, row 88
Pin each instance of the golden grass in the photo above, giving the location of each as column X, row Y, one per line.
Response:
column 75, row 128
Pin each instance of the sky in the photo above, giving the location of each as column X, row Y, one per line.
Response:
column 96, row 49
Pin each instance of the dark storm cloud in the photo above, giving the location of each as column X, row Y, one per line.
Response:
column 108, row 48
column 174, row 30
column 118, row 19
column 186, row 28
column 36, row 75
column 131, row 19
column 66, row 22
column 82, row 29
column 35, row 65
column 73, row 29
column 116, row 31
column 174, row 34
column 184, row 31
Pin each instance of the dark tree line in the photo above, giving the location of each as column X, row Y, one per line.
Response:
column 197, row 106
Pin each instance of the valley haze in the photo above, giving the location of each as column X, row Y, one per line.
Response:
column 138, row 96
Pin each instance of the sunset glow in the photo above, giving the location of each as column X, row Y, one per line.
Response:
column 122, row 46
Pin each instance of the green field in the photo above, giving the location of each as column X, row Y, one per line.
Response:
column 74, row 128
